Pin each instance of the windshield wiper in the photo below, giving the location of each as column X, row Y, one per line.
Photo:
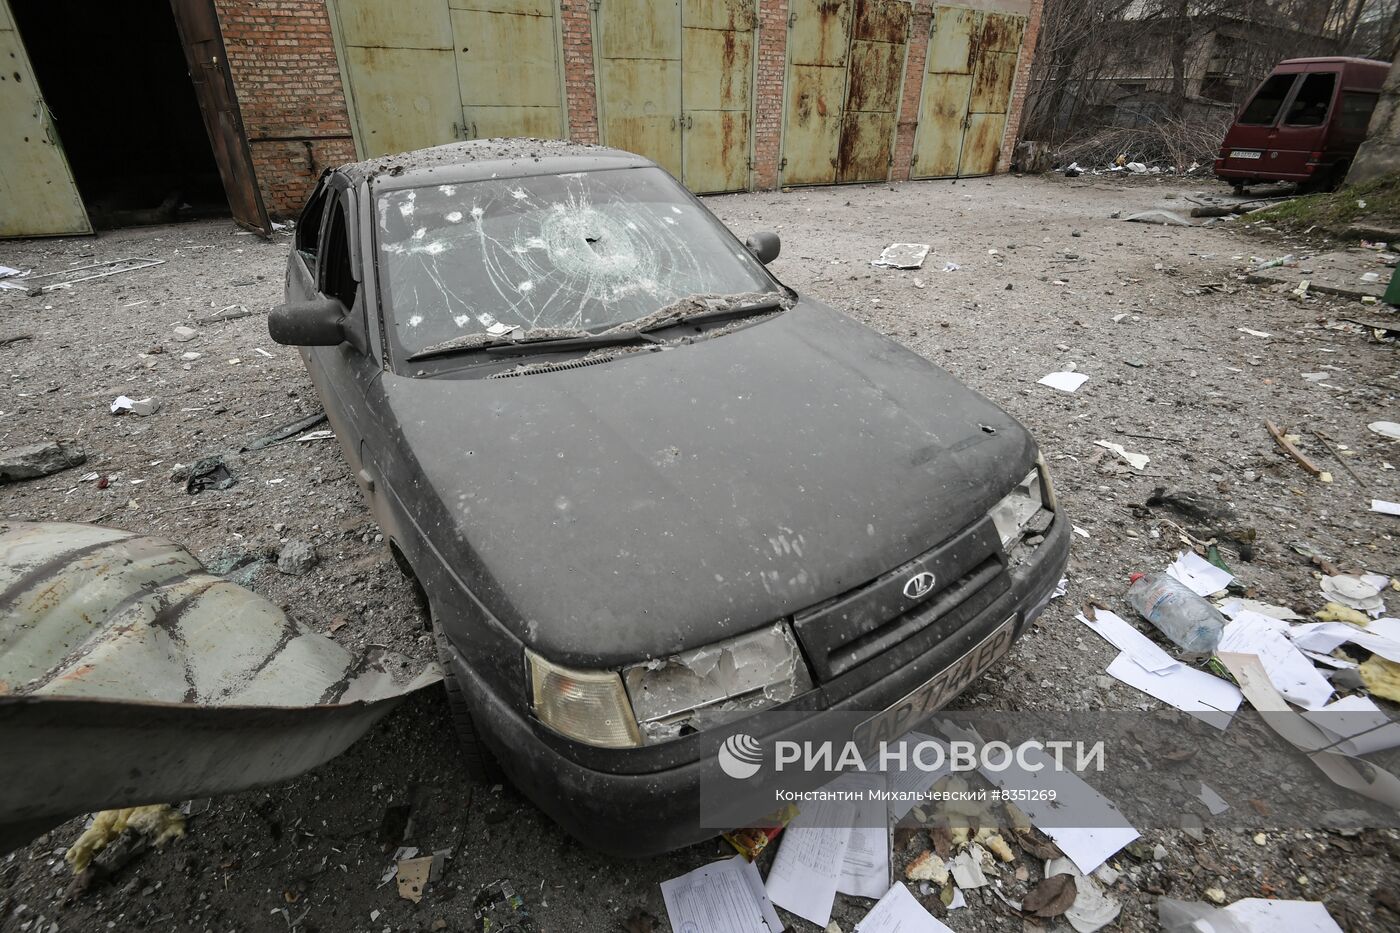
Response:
column 717, row 315
column 565, row 344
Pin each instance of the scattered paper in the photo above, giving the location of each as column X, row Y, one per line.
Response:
column 902, row 256
column 1092, row 909
column 1214, row 802
column 958, row 900
column 721, row 897
column 807, row 869
column 1262, row 915
column 1193, row 691
column 1361, row 593
column 1050, row 793
column 966, row 868
column 1136, row 461
column 1254, row 333
column 899, row 912
column 1358, row 723
column 1232, row 607
column 1324, row 637
column 865, row 867
column 1124, row 637
column 908, row 782
column 1065, row 382
column 412, row 877
column 1384, row 507
column 1289, row 671
column 1199, row 575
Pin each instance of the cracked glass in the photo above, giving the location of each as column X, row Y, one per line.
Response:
column 584, row 251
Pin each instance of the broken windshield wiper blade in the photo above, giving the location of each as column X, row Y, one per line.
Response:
column 717, row 315
column 472, row 343
column 564, row 344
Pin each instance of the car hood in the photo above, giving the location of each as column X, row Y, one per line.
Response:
column 670, row 499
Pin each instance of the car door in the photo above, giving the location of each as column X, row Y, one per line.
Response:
column 345, row 375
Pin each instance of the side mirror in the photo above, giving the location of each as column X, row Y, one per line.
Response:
column 765, row 246
column 315, row 323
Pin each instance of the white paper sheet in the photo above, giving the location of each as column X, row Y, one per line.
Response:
column 1214, row 802
column 1324, row 636
column 1055, row 796
column 1292, row 674
column 899, row 912
column 1231, row 607
column 913, row 779
column 722, row 897
column 865, row 866
column 1363, row 724
column 1136, row 461
column 1066, row 382
column 1200, row 575
column 1384, row 507
column 807, row 868
column 1262, row 915
column 1193, row 691
column 1123, row 636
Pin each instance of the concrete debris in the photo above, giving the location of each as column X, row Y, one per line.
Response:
column 296, row 558
column 902, row 256
column 183, row 334
column 145, row 406
column 36, row 460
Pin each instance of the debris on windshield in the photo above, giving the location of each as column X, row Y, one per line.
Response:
column 35, row 460
column 902, row 256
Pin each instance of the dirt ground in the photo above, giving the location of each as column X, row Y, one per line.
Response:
column 1046, row 278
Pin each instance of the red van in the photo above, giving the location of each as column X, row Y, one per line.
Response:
column 1303, row 124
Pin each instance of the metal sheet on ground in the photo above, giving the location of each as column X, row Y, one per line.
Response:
column 130, row 675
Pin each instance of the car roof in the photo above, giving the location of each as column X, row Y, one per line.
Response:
column 1335, row 60
column 477, row 159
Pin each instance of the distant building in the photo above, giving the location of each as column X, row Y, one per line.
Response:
column 145, row 110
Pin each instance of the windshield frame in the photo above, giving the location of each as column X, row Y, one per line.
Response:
column 398, row 355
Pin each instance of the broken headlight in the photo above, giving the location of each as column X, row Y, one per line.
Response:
column 716, row 684
column 1018, row 508
column 589, row 706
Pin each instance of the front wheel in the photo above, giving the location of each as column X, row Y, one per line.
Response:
column 481, row 766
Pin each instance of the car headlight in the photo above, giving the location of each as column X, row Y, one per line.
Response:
column 718, row 683
column 1019, row 507
column 589, row 706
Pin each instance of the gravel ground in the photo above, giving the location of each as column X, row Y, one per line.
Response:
column 1043, row 274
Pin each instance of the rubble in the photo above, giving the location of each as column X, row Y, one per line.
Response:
column 36, row 460
column 296, row 558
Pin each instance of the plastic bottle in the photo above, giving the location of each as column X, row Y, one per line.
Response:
column 1188, row 620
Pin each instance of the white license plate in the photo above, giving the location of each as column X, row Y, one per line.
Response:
column 1245, row 154
column 932, row 696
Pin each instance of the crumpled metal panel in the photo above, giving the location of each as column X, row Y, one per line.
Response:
column 130, row 675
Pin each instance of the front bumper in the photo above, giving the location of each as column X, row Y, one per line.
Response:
column 642, row 814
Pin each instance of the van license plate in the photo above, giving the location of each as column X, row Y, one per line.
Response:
column 928, row 699
column 1245, row 153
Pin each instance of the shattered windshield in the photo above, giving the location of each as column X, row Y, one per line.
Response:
column 584, row 251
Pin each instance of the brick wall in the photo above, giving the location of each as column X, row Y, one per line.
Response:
column 768, row 93
column 1023, row 81
column 580, row 83
column 287, row 79
column 913, row 90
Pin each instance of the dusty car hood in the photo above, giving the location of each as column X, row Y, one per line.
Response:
column 670, row 499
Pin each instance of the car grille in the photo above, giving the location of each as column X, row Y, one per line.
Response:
column 849, row 629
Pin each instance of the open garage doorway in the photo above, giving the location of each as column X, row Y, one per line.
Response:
column 123, row 92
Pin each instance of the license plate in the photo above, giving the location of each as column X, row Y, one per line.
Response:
column 928, row 699
column 1245, row 154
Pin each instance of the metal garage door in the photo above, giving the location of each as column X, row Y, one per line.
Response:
column 424, row 72
column 675, row 84
column 37, row 194
column 967, row 90
column 844, row 77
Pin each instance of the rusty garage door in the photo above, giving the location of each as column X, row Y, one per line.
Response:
column 423, row 72
column 38, row 196
column 675, row 84
column 844, row 76
column 967, row 90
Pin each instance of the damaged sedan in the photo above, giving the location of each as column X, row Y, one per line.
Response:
column 646, row 491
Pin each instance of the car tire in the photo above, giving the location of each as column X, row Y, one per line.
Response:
column 481, row 766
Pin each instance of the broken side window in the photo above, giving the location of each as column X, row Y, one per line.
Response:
column 1264, row 107
column 308, row 232
column 581, row 251
column 1313, row 101
column 337, row 280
